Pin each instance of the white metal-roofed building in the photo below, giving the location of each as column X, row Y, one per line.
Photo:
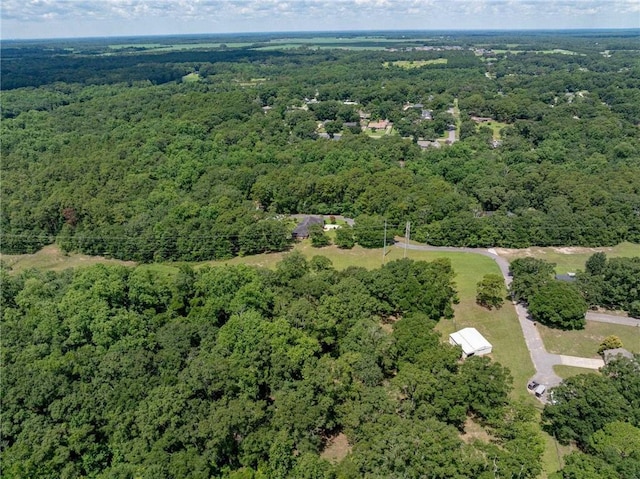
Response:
column 471, row 341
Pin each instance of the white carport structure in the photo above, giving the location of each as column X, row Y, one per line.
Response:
column 471, row 341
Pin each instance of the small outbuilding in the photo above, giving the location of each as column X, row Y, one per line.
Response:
column 471, row 341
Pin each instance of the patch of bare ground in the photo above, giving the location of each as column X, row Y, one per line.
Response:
column 474, row 432
column 387, row 323
column 536, row 251
column 336, row 449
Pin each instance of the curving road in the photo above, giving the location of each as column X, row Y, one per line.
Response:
column 543, row 361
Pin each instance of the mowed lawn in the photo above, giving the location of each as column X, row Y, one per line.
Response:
column 568, row 371
column 585, row 342
column 408, row 64
column 51, row 258
column 570, row 259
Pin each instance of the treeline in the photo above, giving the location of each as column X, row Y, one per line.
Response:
column 601, row 415
column 562, row 303
column 612, row 283
column 239, row 372
column 190, row 171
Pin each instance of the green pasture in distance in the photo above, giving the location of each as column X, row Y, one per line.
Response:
column 191, row 78
column 159, row 47
column 544, row 52
column 288, row 46
column 416, row 63
column 320, row 40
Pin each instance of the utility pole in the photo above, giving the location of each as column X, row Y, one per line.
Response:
column 407, row 236
column 384, row 246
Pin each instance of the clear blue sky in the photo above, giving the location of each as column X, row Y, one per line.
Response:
column 82, row 18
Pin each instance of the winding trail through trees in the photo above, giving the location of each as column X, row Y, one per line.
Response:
column 543, row 361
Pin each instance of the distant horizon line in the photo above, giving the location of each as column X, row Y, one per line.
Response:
column 307, row 32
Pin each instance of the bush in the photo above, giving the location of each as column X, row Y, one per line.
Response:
column 559, row 305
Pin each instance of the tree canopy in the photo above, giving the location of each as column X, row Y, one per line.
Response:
column 235, row 371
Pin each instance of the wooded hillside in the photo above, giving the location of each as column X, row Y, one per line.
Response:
column 243, row 372
column 138, row 167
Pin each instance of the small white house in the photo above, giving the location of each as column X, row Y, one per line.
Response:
column 471, row 341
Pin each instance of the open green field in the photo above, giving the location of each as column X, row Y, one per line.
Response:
column 585, row 342
column 358, row 39
column 495, row 126
column 163, row 47
column 408, row 64
column 570, row 259
column 568, row 371
column 544, row 52
column 191, row 78
column 51, row 258
column 288, row 46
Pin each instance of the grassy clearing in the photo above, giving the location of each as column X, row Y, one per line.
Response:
column 554, row 452
column 51, row 258
column 288, row 46
column 568, row 371
column 163, row 47
column 359, row 39
column 191, row 78
column 408, row 64
column 495, row 126
column 584, row 343
column 570, row 258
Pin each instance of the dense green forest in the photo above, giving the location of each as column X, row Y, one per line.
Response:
column 243, row 372
column 612, row 284
column 192, row 155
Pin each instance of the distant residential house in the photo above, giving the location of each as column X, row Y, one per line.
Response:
column 379, row 125
column 424, row 144
column 302, row 230
column 426, row 115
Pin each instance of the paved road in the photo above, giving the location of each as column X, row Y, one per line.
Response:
column 610, row 318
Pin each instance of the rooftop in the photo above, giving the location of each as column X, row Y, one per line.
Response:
column 470, row 340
